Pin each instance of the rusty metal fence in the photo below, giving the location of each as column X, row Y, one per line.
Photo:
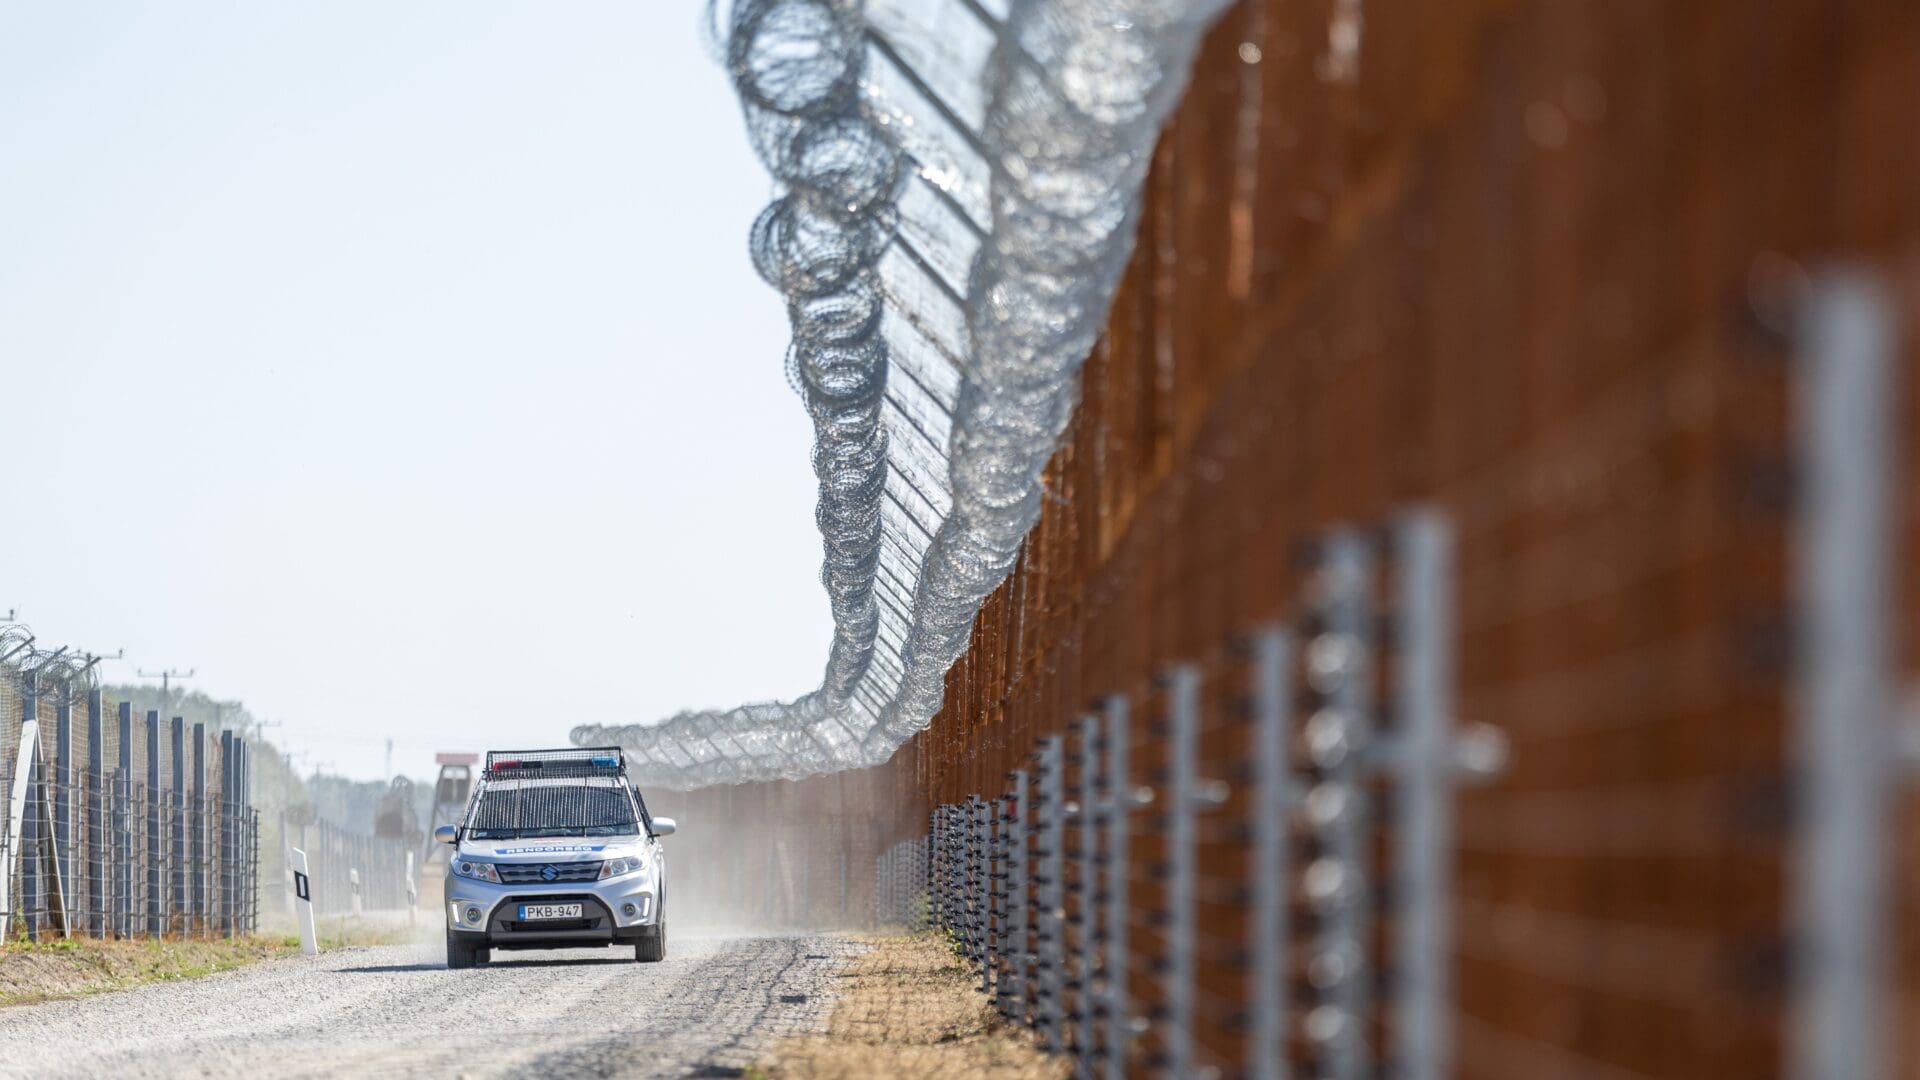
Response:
column 1622, row 299
column 1323, row 812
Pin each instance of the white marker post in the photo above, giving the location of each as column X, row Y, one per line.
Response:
column 413, row 890
column 303, row 902
column 16, row 816
column 353, row 879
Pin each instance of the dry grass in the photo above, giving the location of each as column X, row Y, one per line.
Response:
column 68, row 968
column 908, row 1007
column 71, row 967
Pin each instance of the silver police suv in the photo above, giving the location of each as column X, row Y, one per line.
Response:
column 557, row 851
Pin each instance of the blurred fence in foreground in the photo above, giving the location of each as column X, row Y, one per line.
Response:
column 1621, row 298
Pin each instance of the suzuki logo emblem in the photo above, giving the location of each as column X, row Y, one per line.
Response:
column 549, row 873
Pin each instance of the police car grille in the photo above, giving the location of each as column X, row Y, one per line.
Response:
column 547, row 873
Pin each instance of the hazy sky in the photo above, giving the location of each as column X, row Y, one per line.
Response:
column 398, row 366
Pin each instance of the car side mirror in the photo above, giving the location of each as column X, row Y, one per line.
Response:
column 446, row 834
column 664, row 826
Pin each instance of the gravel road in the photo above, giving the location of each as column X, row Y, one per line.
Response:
column 712, row 1007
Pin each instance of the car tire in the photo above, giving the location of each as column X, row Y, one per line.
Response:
column 483, row 955
column 460, row 954
column 653, row 948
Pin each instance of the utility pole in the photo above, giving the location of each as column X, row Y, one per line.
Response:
column 389, row 769
column 166, row 683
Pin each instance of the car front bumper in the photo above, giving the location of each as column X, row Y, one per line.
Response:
column 615, row 910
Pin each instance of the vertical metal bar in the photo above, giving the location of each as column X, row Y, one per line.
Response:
column 983, row 889
column 96, row 821
column 1423, row 807
column 1002, row 899
column 1843, row 572
column 177, row 809
column 198, row 824
column 1337, row 882
column 1087, row 911
column 229, row 906
column 1119, row 879
column 1183, row 716
column 1019, row 949
column 250, row 819
column 993, row 928
column 1050, row 865
column 933, row 868
column 1272, row 804
column 156, row 892
column 123, row 825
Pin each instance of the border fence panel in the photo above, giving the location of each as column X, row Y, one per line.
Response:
column 95, row 851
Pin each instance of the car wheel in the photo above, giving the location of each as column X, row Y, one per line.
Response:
column 483, row 955
column 460, row 954
column 653, row 948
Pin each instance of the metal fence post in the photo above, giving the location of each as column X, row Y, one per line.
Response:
column 95, row 805
column 1001, row 902
column 229, row 904
column 177, row 808
column 963, row 824
column 1337, row 883
column 252, row 869
column 1119, row 842
column 1272, row 804
column 156, row 886
column 1050, row 865
column 1182, row 804
column 1423, row 805
column 1013, row 999
column 1088, row 897
column 980, row 892
column 198, row 823
column 993, row 921
column 1843, row 700
column 123, row 825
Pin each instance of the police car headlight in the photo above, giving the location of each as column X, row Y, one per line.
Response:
column 625, row 865
column 477, row 869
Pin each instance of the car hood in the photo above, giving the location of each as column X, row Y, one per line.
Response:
column 559, row 849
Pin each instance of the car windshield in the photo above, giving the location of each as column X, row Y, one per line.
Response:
column 523, row 810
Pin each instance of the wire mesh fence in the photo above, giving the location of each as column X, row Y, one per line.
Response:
column 350, row 873
column 123, row 830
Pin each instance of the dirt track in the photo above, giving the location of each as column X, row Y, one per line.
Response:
column 712, row 1007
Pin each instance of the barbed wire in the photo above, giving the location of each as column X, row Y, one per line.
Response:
column 969, row 246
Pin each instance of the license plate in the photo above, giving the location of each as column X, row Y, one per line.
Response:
column 531, row 912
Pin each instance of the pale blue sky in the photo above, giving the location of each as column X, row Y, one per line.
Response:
column 397, row 365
